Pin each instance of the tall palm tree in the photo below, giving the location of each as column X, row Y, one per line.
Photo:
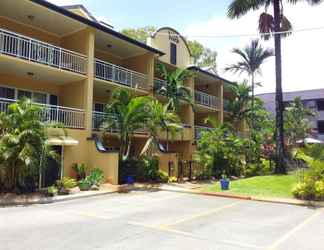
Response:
column 23, row 147
column 175, row 90
column 253, row 56
column 126, row 114
column 271, row 25
column 160, row 119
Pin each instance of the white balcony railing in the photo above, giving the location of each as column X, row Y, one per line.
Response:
column 111, row 72
column 37, row 51
column 69, row 117
column 199, row 129
column 206, row 99
column 99, row 117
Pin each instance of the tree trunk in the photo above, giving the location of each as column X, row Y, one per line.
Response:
column 280, row 167
column 252, row 117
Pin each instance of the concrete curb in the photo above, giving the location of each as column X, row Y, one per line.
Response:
column 59, row 198
column 252, row 198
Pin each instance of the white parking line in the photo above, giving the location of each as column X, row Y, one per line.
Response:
column 294, row 230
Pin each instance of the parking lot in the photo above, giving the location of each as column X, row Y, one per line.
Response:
column 161, row 220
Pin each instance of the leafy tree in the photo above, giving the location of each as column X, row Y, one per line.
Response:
column 125, row 114
column 270, row 25
column 140, row 34
column 220, row 150
column 23, row 148
column 208, row 60
column 174, row 90
column 252, row 57
column 160, row 119
column 297, row 124
column 196, row 49
column 203, row 57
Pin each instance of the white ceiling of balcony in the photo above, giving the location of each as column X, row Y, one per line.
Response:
column 44, row 18
column 116, row 46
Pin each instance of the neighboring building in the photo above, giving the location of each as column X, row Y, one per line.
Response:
column 68, row 61
column 313, row 99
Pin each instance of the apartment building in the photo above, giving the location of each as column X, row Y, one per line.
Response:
column 313, row 99
column 66, row 60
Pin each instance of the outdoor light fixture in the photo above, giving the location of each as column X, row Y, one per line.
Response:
column 31, row 17
column 31, row 74
column 109, row 46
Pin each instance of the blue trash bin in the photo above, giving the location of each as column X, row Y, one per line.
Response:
column 224, row 184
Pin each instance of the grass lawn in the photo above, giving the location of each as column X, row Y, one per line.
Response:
column 279, row 186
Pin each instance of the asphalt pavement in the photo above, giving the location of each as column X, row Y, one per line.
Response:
column 161, row 220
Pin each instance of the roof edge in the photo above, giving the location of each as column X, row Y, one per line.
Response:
column 96, row 25
column 210, row 74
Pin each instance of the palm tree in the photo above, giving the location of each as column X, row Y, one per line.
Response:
column 126, row 114
column 238, row 107
column 174, row 90
column 271, row 25
column 253, row 56
column 160, row 119
column 23, row 147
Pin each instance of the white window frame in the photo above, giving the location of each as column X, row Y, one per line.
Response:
column 32, row 91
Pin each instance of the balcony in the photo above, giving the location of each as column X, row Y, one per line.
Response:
column 99, row 117
column 117, row 74
column 33, row 50
column 69, row 117
column 158, row 84
column 199, row 130
column 206, row 100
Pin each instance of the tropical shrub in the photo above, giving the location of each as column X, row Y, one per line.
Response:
column 312, row 185
column 66, row 183
column 151, row 168
column 263, row 167
column 23, row 148
column 80, row 170
column 96, row 177
column 220, row 150
column 52, row 191
column 162, row 176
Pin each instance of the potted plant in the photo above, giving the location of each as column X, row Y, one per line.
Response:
column 84, row 184
column 224, row 182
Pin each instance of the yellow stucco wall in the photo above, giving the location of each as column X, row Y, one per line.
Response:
column 29, row 31
column 161, row 40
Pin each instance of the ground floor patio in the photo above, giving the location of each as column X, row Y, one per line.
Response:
column 161, row 220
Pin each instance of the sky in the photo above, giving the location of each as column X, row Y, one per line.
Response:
column 206, row 22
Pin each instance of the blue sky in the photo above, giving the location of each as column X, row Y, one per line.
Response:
column 206, row 21
column 126, row 13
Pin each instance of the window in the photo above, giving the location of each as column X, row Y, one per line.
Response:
column 99, row 107
column 8, row 93
column 320, row 105
column 320, row 127
column 24, row 93
column 39, row 97
column 173, row 53
column 53, row 100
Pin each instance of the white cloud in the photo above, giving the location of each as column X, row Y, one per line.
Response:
column 302, row 52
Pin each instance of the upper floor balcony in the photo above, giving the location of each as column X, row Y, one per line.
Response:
column 53, row 114
column 32, row 50
column 207, row 100
column 120, row 75
column 226, row 105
